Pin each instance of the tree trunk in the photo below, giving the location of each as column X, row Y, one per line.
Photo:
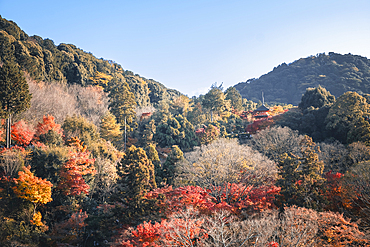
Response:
column 8, row 131
column 125, row 136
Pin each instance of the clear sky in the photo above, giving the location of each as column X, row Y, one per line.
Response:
column 191, row 44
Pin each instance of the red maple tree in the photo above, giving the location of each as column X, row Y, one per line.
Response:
column 22, row 133
column 48, row 123
column 72, row 173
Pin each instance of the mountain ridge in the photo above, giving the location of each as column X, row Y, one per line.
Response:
column 287, row 83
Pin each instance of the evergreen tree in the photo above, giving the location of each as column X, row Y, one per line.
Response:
column 214, row 101
column 14, row 94
column 235, row 98
column 176, row 131
column 122, row 104
column 154, row 158
column 347, row 117
column 301, row 179
column 168, row 170
column 136, row 178
column 145, row 132
column 136, row 173
column 316, row 97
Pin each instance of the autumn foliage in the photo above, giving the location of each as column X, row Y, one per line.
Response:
column 48, row 123
column 32, row 188
column 336, row 193
column 72, row 173
column 181, row 229
column 232, row 197
column 21, row 133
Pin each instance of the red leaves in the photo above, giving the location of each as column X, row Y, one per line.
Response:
column 146, row 234
column 259, row 124
column 241, row 197
column 71, row 174
column 180, row 230
column 22, row 133
column 231, row 197
column 48, row 123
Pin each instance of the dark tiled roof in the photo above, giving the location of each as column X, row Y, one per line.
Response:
column 262, row 108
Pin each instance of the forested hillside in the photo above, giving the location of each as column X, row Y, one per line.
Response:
column 92, row 155
column 67, row 64
column 287, row 82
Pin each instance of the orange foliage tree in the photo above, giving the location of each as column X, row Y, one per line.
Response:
column 72, row 173
column 48, row 123
column 21, row 133
column 32, row 188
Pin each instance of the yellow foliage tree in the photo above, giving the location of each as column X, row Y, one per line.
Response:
column 110, row 130
column 33, row 189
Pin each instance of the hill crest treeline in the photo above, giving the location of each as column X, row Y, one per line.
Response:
column 67, row 64
column 287, row 83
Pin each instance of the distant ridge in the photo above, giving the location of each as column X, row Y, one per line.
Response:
column 67, row 64
column 287, row 83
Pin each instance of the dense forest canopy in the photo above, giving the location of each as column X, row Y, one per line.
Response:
column 99, row 156
column 287, row 83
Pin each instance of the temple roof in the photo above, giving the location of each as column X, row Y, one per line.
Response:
column 262, row 108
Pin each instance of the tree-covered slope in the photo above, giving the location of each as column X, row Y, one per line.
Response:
column 288, row 82
column 65, row 63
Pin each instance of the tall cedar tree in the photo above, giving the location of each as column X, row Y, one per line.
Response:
column 301, row 178
column 168, row 170
column 136, row 178
column 153, row 156
column 122, row 103
column 214, row 100
column 235, row 98
column 14, row 93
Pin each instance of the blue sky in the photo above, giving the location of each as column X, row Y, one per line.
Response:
column 189, row 45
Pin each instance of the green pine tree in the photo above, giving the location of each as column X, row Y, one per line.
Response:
column 136, row 178
column 235, row 98
column 214, row 101
column 154, row 158
column 168, row 169
column 136, row 173
column 122, row 104
column 301, row 179
column 14, row 94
